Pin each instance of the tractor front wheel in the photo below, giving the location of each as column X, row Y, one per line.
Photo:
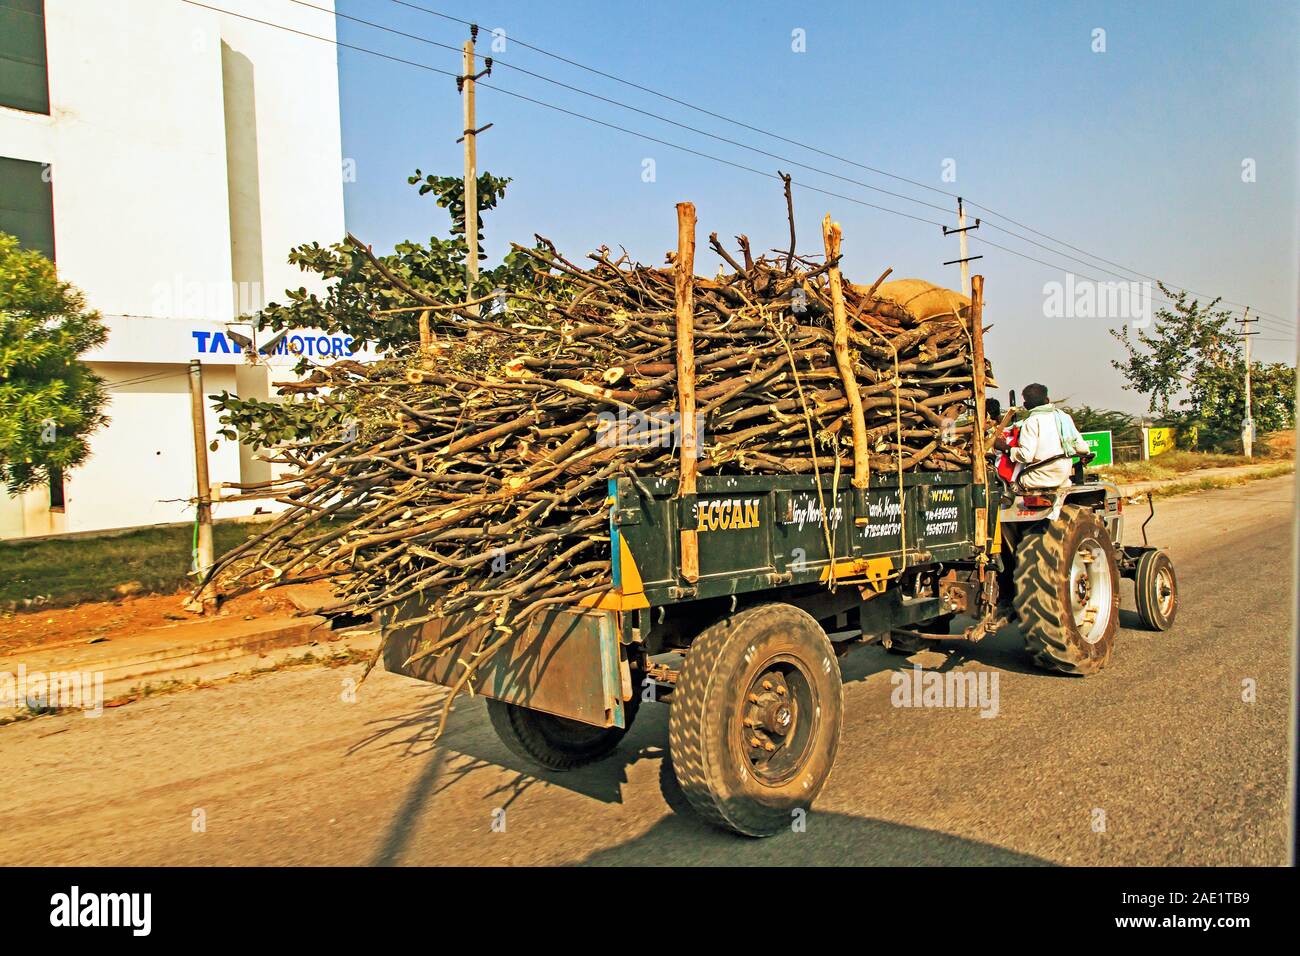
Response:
column 1156, row 588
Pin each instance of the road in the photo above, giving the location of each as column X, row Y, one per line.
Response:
column 1158, row 760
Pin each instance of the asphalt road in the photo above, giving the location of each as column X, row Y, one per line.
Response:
column 1158, row 760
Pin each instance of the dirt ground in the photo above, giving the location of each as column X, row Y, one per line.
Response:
column 105, row 620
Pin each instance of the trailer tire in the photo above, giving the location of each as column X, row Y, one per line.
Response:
column 1156, row 587
column 1067, row 593
column 767, row 673
column 557, row 743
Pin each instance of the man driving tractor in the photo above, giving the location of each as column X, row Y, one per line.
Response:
column 1041, row 450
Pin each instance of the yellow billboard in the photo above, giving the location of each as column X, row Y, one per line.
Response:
column 1159, row 440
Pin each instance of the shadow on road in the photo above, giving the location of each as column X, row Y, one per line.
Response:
column 469, row 745
column 828, row 839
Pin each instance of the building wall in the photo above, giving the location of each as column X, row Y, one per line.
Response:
column 188, row 151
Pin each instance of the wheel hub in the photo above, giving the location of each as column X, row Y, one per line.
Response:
column 1090, row 590
column 775, row 726
column 1165, row 592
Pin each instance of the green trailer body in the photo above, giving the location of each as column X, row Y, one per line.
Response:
column 761, row 538
column 757, row 533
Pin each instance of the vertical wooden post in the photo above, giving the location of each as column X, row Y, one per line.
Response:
column 861, row 462
column 977, row 443
column 684, row 288
column 204, row 487
column 471, row 175
column 1248, row 426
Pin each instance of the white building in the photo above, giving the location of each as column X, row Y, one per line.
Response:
column 167, row 157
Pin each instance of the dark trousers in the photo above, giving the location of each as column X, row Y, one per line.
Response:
column 1012, row 534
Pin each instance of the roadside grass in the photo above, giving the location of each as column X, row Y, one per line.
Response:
column 1210, row 482
column 1177, row 462
column 64, row 572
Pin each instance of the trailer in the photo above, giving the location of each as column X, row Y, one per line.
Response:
column 758, row 584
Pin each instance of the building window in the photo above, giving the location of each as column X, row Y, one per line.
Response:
column 27, row 203
column 56, row 489
column 24, row 77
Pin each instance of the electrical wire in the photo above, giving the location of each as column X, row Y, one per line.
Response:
column 785, row 139
column 672, row 145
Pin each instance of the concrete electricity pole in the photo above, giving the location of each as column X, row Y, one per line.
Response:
column 1248, row 423
column 465, row 83
column 965, row 259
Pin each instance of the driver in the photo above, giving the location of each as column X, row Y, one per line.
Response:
column 1042, row 446
column 1047, row 436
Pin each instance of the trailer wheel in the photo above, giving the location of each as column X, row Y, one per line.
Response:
column 1067, row 593
column 557, row 743
column 1157, row 590
column 755, row 718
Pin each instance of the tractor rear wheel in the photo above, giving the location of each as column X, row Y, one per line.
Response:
column 1156, row 587
column 1067, row 593
column 755, row 719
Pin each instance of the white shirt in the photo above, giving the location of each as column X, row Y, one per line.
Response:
column 1040, row 439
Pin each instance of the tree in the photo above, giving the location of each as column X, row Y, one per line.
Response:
column 363, row 289
column 50, row 402
column 1192, row 354
column 1121, row 425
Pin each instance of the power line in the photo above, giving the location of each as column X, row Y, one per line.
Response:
column 497, row 61
column 142, row 379
column 814, row 149
column 636, row 133
column 568, row 112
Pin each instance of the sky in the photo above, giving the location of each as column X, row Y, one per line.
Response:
column 1167, row 145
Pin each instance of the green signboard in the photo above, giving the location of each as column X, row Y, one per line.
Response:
column 1099, row 443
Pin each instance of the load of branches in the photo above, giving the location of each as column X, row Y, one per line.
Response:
column 472, row 480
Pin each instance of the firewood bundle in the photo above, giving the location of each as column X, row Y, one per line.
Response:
column 474, row 476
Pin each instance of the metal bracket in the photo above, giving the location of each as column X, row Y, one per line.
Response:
column 473, row 132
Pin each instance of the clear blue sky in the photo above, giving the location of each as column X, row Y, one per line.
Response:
column 1134, row 154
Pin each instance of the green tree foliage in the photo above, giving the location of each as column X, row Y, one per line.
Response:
column 358, row 303
column 1190, row 366
column 1122, row 425
column 50, row 402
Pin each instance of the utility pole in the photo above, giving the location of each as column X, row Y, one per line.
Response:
column 203, row 547
column 1248, row 423
column 965, row 259
column 465, row 84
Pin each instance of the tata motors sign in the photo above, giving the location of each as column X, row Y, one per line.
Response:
column 147, row 339
column 296, row 345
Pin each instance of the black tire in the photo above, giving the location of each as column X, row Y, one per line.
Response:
column 1068, row 609
column 1156, row 586
column 557, row 743
column 910, row 645
column 781, row 656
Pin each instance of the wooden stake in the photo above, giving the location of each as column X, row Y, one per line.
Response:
column 861, row 459
column 977, row 439
column 203, row 556
column 683, row 284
